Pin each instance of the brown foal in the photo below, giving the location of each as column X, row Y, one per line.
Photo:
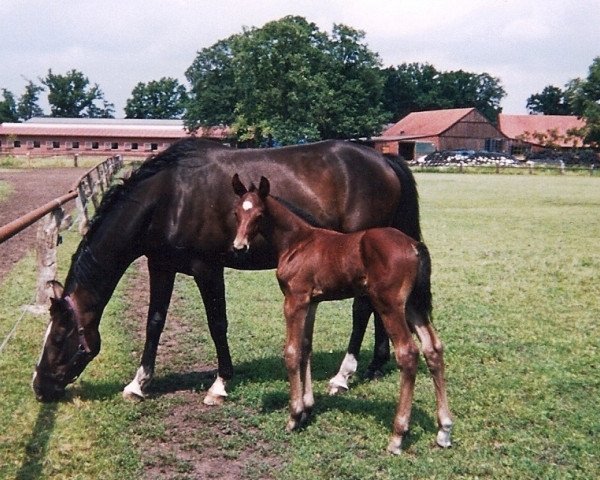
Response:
column 315, row 265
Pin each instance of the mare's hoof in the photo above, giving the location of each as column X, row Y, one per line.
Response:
column 213, row 400
column 373, row 373
column 335, row 389
column 133, row 394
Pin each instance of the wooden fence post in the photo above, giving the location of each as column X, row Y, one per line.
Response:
column 47, row 241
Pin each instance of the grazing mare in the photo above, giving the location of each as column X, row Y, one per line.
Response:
column 315, row 265
column 176, row 210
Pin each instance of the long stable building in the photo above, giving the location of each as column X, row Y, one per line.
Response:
column 87, row 136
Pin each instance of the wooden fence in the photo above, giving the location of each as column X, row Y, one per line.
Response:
column 90, row 187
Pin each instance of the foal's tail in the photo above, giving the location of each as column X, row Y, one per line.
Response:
column 420, row 298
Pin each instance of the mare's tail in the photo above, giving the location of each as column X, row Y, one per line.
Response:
column 406, row 218
column 420, row 298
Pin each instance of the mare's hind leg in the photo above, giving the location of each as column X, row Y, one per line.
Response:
column 211, row 283
column 161, row 288
column 433, row 351
column 361, row 311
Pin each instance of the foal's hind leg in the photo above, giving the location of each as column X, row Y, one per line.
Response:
column 407, row 357
column 161, row 288
column 433, row 352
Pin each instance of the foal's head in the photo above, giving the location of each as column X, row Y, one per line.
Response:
column 249, row 211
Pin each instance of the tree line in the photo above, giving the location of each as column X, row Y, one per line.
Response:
column 289, row 82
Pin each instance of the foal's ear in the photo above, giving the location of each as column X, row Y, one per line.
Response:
column 264, row 187
column 238, row 186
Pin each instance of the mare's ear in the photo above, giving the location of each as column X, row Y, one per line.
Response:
column 57, row 288
column 238, row 186
column 264, row 187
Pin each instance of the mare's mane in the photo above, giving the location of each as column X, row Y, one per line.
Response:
column 84, row 266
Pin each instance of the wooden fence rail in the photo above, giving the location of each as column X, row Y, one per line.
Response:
column 91, row 185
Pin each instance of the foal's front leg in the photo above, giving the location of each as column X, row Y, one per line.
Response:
column 296, row 311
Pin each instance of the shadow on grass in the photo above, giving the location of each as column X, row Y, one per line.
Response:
column 324, row 365
column 37, row 446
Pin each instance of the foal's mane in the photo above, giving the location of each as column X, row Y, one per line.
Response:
column 303, row 214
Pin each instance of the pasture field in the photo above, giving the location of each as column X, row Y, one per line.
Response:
column 516, row 302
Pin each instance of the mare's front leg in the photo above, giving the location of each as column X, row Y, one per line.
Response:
column 161, row 288
column 211, row 283
column 361, row 312
column 296, row 311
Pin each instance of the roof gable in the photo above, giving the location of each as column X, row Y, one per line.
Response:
column 427, row 124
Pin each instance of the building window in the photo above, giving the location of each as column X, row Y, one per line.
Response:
column 17, row 144
column 75, row 145
column 493, row 145
column 37, row 144
column 114, row 146
column 95, row 145
column 154, row 146
column 55, row 144
column 135, row 146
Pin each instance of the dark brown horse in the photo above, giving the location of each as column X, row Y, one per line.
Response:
column 176, row 210
column 316, row 265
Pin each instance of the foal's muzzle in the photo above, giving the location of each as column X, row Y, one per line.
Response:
column 240, row 246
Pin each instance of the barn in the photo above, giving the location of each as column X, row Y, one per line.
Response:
column 95, row 136
column 452, row 129
column 535, row 132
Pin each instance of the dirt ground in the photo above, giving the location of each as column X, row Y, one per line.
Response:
column 30, row 189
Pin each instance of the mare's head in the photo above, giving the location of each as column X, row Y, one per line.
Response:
column 67, row 349
column 249, row 211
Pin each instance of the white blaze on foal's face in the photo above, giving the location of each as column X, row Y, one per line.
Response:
column 247, row 205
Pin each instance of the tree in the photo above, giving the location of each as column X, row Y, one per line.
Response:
column 288, row 81
column 28, row 102
column 584, row 97
column 164, row 98
column 411, row 87
column 416, row 87
column 71, row 95
column 8, row 107
column 550, row 101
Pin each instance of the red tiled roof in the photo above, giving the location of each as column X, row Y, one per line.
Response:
column 514, row 126
column 106, row 131
column 426, row 124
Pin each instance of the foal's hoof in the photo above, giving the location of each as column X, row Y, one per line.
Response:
column 444, row 436
column 213, row 400
column 395, row 445
column 133, row 394
column 297, row 423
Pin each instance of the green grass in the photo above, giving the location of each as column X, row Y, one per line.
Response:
column 22, row 161
column 5, row 190
column 516, row 302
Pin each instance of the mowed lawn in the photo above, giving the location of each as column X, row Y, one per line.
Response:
column 516, row 292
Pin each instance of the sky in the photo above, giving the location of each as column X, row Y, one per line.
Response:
column 527, row 44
